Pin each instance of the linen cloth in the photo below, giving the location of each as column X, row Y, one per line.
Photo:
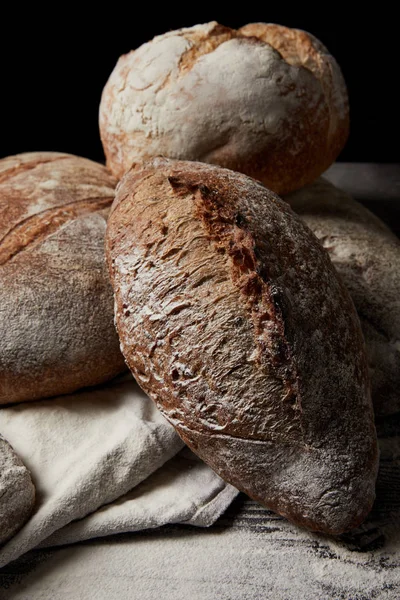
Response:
column 104, row 461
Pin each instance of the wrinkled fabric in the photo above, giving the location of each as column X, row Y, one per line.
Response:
column 103, row 462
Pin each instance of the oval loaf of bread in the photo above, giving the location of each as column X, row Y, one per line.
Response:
column 56, row 306
column 367, row 255
column 233, row 319
column 17, row 492
column 264, row 100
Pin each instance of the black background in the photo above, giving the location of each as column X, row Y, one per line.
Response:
column 55, row 66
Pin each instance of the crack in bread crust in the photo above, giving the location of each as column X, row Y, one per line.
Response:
column 35, row 229
column 11, row 172
column 204, row 43
column 208, row 293
column 227, row 229
column 301, row 49
column 56, row 319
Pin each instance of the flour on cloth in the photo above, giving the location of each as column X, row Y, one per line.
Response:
column 184, row 490
column 88, row 449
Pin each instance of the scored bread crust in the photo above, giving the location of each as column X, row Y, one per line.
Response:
column 56, row 316
column 233, row 320
column 17, row 492
column 301, row 49
column 367, row 256
column 264, row 100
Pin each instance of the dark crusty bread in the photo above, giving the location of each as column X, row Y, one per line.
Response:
column 367, row 256
column 17, row 492
column 56, row 306
column 265, row 100
column 233, row 319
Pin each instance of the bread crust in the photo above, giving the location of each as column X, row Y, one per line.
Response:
column 264, row 100
column 17, row 492
column 367, row 256
column 233, row 320
column 56, row 316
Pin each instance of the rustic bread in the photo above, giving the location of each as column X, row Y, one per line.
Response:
column 367, row 255
column 264, row 100
column 56, row 317
column 17, row 492
column 234, row 321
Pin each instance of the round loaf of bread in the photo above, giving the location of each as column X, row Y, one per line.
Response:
column 56, row 304
column 234, row 321
column 367, row 255
column 17, row 492
column 264, row 100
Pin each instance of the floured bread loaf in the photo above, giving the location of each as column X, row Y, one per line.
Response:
column 17, row 492
column 367, row 256
column 234, row 321
column 56, row 306
column 265, row 100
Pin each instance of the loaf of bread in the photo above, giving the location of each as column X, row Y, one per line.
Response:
column 56, row 304
column 367, row 255
column 234, row 321
column 17, row 492
column 264, row 100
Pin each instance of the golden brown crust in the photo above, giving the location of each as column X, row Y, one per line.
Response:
column 303, row 50
column 233, row 320
column 34, row 230
column 204, row 42
column 264, row 100
column 56, row 317
column 297, row 47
